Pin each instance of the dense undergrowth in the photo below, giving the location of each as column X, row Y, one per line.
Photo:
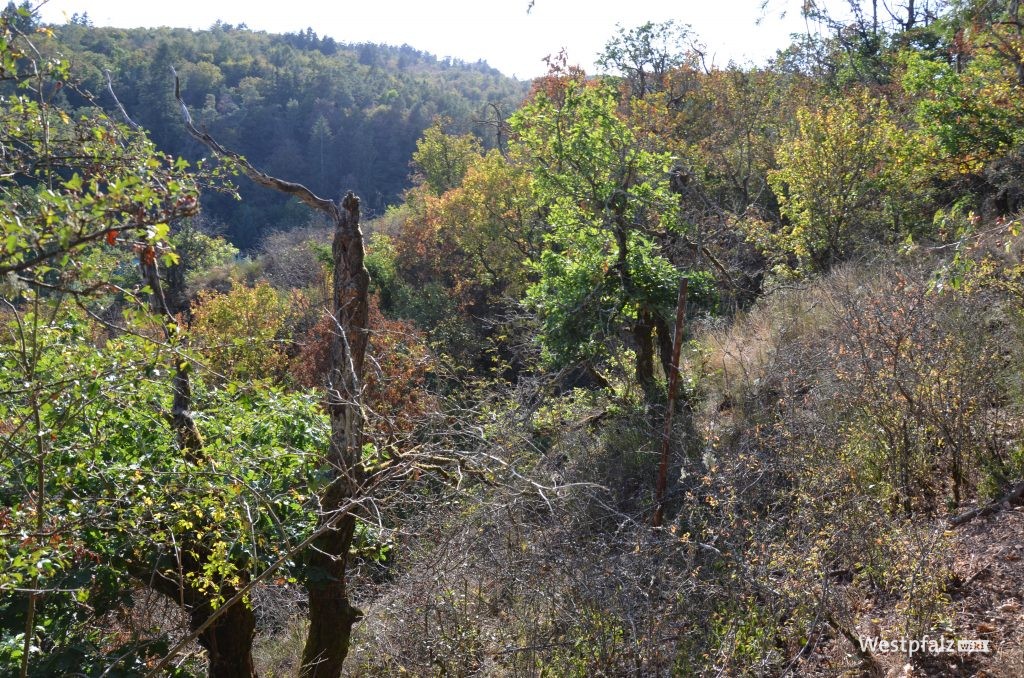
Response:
column 832, row 428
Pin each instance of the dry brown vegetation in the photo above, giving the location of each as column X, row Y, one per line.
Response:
column 797, row 528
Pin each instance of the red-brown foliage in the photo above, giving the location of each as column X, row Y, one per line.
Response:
column 395, row 395
column 559, row 75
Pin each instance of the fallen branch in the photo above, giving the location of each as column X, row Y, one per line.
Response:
column 994, row 507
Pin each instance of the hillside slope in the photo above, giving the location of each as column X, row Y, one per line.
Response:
column 333, row 116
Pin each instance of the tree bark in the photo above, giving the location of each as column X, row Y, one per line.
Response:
column 228, row 641
column 331, row 617
column 664, row 345
column 643, row 337
column 661, row 484
column 168, row 302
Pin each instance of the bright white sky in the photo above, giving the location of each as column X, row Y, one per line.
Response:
column 500, row 32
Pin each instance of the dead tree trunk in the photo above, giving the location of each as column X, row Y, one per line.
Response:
column 331, row 617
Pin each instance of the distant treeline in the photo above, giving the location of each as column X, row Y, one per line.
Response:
column 334, row 116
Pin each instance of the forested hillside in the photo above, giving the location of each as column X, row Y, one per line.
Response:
column 301, row 106
column 665, row 370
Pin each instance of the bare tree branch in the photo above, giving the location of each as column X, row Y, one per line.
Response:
column 124, row 113
column 262, row 178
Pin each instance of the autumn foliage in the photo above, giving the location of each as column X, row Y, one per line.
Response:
column 399, row 364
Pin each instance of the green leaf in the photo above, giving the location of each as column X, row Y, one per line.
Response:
column 74, row 183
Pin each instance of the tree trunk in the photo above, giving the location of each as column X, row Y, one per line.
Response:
column 228, row 642
column 664, row 345
column 643, row 328
column 661, row 484
column 331, row 617
column 643, row 336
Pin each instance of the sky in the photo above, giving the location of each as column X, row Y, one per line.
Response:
column 507, row 34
